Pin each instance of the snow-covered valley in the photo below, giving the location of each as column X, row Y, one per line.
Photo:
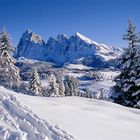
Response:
column 25, row 117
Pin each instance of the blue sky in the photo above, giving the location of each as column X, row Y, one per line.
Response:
column 104, row 21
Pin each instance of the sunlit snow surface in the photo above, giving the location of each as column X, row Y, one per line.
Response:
column 87, row 119
column 19, row 123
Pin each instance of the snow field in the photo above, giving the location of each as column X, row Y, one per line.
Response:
column 19, row 123
column 87, row 119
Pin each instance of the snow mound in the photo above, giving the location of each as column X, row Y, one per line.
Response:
column 19, row 123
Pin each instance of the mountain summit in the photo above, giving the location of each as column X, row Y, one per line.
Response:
column 74, row 49
column 30, row 46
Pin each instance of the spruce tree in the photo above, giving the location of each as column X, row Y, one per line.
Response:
column 127, row 88
column 35, row 84
column 61, row 88
column 9, row 73
column 61, row 84
column 70, row 84
column 53, row 86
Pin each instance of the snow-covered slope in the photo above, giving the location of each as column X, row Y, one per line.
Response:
column 65, row 49
column 19, row 123
column 87, row 119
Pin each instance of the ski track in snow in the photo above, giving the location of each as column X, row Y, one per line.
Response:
column 19, row 123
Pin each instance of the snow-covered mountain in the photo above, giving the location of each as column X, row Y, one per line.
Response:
column 74, row 49
column 30, row 46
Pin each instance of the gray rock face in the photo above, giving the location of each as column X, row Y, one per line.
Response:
column 30, row 46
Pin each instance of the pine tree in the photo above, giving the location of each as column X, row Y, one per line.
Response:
column 60, row 82
column 128, row 82
column 70, row 84
column 35, row 84
column 53, row 86
column 61, row 88
column 9, row 73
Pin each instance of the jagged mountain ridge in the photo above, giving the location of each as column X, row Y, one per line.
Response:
column 63, row 49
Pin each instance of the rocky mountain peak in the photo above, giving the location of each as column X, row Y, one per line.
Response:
column 31, row 36
column 64, row 49
column 62, row 37
column 85, row 39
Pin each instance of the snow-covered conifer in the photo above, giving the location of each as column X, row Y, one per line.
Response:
column 9, row 73
column 127, row 88
column 35, row 84
column 53, row 86
column 70, row 84
column 61, row 88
